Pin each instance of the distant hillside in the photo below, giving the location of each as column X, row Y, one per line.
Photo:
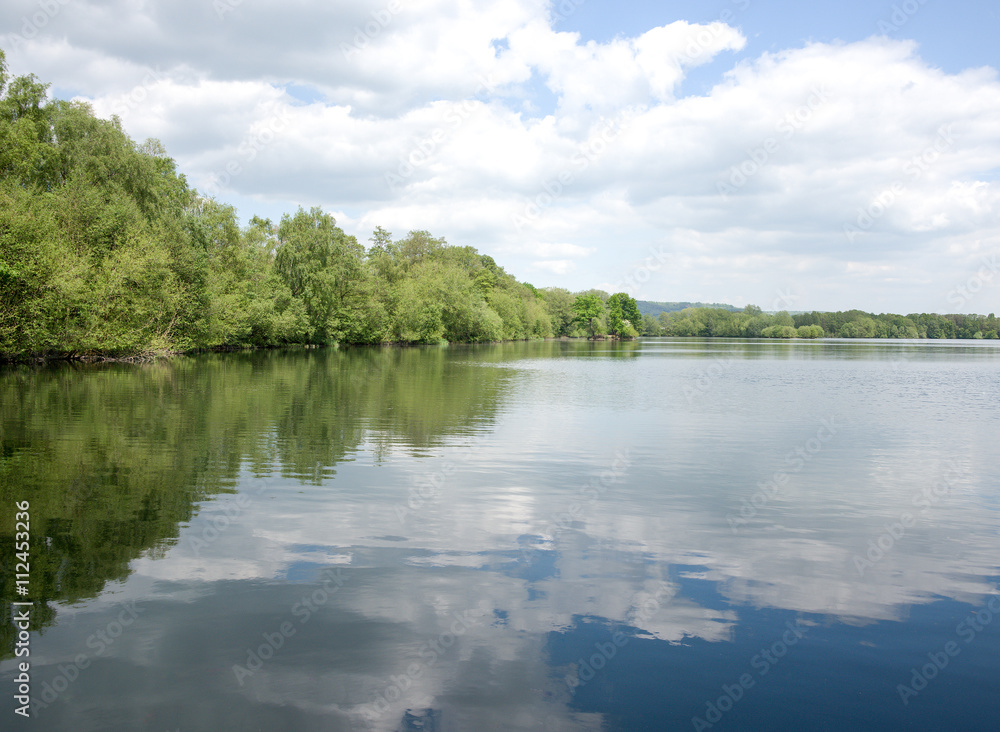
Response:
column 647, row 307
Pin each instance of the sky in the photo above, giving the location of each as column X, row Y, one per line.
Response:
column 789, row 155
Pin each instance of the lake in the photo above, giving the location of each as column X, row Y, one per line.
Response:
column 663, row 534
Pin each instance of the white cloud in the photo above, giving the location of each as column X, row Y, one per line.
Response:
column 556, row 266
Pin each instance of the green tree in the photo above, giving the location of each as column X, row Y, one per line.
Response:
column 779, row 331
column 809, row 331
column 28, row 156
column 559, row 304
column 323, row 268
column 623, row 315
column 588, row 309
column 650, row 326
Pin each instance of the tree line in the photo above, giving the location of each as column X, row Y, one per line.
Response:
column 752, row 322
column 105, row 249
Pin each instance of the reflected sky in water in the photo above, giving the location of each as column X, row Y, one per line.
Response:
column 667, row 534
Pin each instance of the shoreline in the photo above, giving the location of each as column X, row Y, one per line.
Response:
column 151, row 356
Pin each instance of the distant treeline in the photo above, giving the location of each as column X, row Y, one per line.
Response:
column 751, row 322
column 648, row 307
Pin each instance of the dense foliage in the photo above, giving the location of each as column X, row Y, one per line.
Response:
column 104, row 248
column 753, row 323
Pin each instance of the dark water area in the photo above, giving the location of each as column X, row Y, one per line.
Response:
column 655, row 535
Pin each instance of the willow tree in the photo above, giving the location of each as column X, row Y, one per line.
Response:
column 323, row 267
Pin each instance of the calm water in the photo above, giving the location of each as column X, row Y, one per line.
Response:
column 669, row 534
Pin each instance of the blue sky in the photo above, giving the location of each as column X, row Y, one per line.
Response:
column 789, row 155
column 952, row 36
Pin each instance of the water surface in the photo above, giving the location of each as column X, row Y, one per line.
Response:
column 664, row 534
